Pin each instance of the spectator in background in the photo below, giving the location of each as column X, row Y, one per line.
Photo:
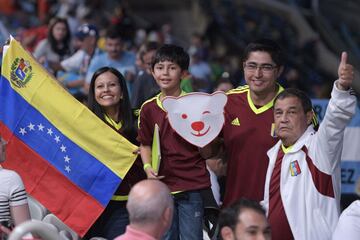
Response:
column 145, row 86
column 75, row 67
column 244, row 219
column 114, row 56
column 200, row 72
column 14, row 207
column 56, row 47
column 224, row 84
column 150, row 208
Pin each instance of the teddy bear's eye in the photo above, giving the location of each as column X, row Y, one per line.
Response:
column 205, row 112
column 184, row 116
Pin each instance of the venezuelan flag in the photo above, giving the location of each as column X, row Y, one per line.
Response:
column 68, row 158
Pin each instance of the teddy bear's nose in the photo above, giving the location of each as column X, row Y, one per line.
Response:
column 197, row 126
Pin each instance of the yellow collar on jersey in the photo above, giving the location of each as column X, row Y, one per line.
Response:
column 159, row 103
column 116, row 125
column 266, row 106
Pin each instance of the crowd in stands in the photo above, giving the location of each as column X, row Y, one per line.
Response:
column 36, row 25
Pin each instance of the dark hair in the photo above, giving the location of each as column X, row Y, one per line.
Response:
column 147, row 47
column 293, row 92
column 125, row 112
column 65, row 48
column 266, row 45
column 172, row 53
column 113, row 33
column 229, row 216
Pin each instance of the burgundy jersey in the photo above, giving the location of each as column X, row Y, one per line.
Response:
column 248, row 135
column 181, row 163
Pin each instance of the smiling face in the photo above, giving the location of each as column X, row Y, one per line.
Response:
column 290, row 119
column 261, row 81
column 168, row 76
column 200, row 123
column 107, row 90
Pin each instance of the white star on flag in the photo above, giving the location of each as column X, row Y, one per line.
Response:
column 67, row 168
column 49, row 131
column 22, row 131
column 40, row 127
column 63, row 148
column 57, row 139
column 31, row 127
column 67, row 159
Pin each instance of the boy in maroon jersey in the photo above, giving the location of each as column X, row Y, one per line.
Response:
column 182, row 168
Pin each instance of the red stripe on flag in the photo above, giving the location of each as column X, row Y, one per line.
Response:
column 58, row 194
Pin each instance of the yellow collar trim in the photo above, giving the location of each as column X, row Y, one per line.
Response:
column 286, row 149
column 119, row 198
column 116, row 125
column 266, row 106
column 159, row 103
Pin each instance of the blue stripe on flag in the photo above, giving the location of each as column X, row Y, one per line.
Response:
column 39, row 134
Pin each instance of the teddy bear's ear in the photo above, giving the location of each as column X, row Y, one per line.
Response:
column 219, row 98
column 168, row 103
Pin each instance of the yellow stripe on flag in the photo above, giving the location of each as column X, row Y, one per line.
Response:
column 71, row 117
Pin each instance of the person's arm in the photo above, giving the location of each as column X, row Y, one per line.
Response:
column 341, row 108
column 145, row 152
column 20, row 213
column 40, row 49
column 73, row 63
column 217, row 165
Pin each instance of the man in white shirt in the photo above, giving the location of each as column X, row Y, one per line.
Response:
column 302, row 188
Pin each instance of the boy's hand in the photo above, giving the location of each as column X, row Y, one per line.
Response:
column 345, row 72
column 150, row 173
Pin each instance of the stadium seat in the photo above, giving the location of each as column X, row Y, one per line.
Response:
column 65, row 231
column 41, row 229
column 37, row 210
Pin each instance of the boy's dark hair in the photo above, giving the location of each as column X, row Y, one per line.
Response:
column 172, row 53
column 229, row 216
column 266, row 45
column 293, row 92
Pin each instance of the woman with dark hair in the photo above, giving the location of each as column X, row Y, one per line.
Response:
column 56, row 46
column 109, row 100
